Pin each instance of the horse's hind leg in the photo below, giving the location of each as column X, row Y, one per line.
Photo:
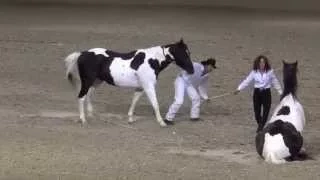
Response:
column 81, row 109
column 137, row 94
column 89, row 97
column 88, row 66
column 85, row 86
column 89, row 104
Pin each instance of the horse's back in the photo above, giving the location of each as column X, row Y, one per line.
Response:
column 132, row 69
column 97, row 51
column 109, row 67
column 289, row 110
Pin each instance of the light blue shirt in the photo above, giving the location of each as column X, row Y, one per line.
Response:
column 262, row 80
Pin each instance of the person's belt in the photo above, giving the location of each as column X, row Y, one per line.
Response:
column 262, row 89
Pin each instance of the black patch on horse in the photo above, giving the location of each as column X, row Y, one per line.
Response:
column 137, row 61
column 88, row 66
column 104, row 73
column 291, row 137
column 285, row 110
column 92, row 67
column 165, row 63
column 168, row 58
column 124, row 56
column 154, row 63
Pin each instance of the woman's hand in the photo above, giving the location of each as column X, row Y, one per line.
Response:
column 203, row 100
column 236, row 92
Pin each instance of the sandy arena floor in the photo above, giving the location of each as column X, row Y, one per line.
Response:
column 40, row 140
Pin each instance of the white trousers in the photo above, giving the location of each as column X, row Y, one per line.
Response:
column 180, row 88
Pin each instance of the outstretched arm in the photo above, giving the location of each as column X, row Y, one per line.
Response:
column 245, row 82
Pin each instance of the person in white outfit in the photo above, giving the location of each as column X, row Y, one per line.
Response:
column 263, row 78
column 195, row 85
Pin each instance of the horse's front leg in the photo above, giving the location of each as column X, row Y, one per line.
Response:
column 89, row 103
column 81, row 109
column 137, row 94
column 151, row 93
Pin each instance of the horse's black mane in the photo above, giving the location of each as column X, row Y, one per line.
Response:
column 290, row 81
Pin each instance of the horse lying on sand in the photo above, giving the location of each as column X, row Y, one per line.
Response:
column 281, row 139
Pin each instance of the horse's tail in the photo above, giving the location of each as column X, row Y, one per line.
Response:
column 72, row 71
column 301, row 156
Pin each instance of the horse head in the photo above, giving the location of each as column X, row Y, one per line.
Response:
column 181, row 56
column 290, row 78
column 289, row 69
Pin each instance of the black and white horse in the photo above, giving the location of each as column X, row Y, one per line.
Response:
column 136, row 69
column 281, row 139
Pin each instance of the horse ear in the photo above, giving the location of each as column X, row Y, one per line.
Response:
column 181, row 41
column 283, row 62
column 296, row 63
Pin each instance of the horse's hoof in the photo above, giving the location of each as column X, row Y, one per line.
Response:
column 131, row 120
column 163, row 124
column 84, row 123
column 90, row 114
column 303, row 150
column 168, row 122
column 78, row 121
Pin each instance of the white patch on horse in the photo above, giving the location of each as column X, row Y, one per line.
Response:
column 296, row 116
column 123, row 75
column 276, row 146
column 98, row 51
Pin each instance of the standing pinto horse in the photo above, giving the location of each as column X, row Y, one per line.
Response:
column 281, row 139
column 138, row 69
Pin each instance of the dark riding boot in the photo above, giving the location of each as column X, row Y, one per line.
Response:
column 260, row 124
column 260, row 127
column 168, row 122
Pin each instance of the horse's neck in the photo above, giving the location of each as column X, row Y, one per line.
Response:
column 155, row 53
column 288, row 99
column 168, row 58
column 290, row 85
column 160, row 54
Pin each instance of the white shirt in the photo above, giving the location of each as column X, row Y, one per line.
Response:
column 262, row 80
column 197, row 79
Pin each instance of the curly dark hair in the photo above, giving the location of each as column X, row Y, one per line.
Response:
column 256, row 63
column 210, row 61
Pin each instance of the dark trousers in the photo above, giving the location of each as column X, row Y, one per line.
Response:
column 261, row 99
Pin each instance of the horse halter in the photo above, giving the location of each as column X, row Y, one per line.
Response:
column 165, row 56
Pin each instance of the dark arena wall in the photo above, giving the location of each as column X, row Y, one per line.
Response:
column 283, row 5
